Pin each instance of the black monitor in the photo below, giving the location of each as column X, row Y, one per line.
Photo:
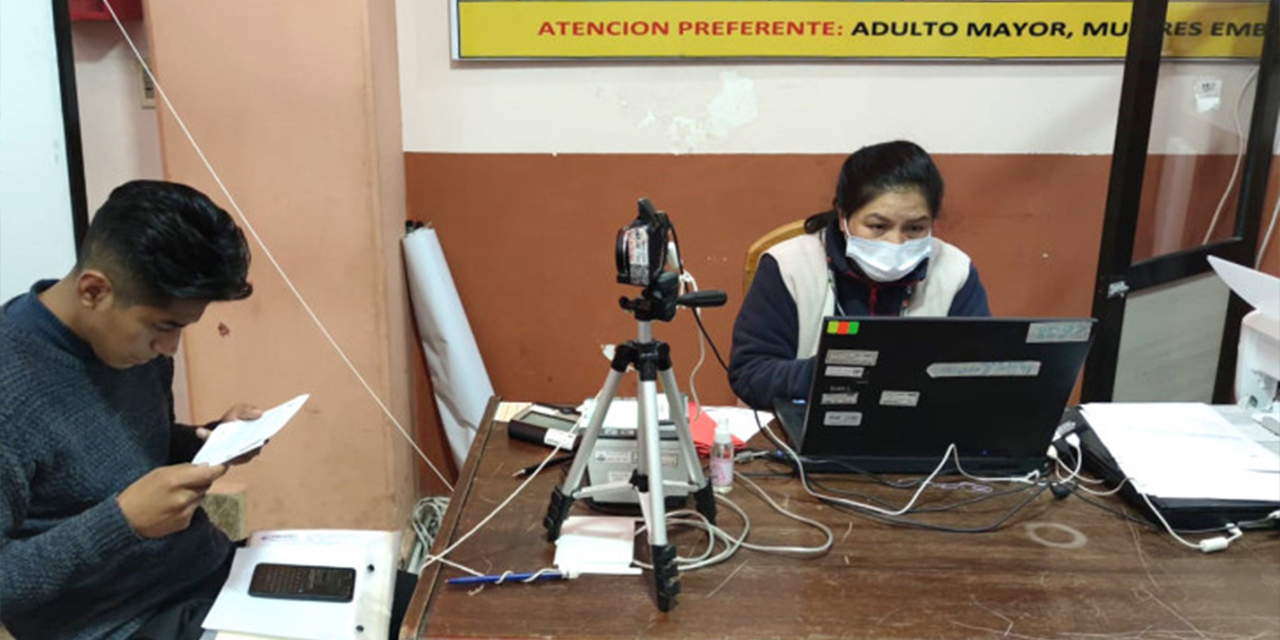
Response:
column 892, row 394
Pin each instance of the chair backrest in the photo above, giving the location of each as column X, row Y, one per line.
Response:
column 757, row 248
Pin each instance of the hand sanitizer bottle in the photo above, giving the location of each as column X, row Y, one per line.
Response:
column 722, row 460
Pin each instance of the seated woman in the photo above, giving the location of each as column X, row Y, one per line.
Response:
column 872, row 254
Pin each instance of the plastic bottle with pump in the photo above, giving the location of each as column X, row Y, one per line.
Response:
column 722, row 460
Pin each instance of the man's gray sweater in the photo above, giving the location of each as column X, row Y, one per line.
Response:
column 74, row 433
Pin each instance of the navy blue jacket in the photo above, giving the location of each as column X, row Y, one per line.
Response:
column 763, row 365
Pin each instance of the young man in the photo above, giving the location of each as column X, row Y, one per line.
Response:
column 101, row 534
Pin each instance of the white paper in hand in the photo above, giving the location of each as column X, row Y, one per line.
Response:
column 238, row 437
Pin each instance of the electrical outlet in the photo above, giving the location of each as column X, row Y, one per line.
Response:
column 148, row 88
column 1208, row 92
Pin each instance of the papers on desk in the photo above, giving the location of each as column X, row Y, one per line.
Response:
column 1260, row 290
column 1185, row 450
column 235, row 612
column 597, row 544
column 238, row 437
column 624, row 414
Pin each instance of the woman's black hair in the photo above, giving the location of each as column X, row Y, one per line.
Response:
column 872, row 171
column 160, row 242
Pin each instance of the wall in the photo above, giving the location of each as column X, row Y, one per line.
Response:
column 296, row 108
column 119, row 136
column 528, row 169
column 35, row 195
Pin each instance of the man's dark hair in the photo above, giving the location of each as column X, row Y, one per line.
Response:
column 161, row 241
column 872, row 171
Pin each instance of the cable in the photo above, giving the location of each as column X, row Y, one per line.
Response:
column 698, row 318
column 686, row 277
column 267, row 252
column 440, row 557
column 428, row 513
column 733, row 543
column 1235, row 115
column 1266, row 238
column 1207, row 545
column 1038, row 490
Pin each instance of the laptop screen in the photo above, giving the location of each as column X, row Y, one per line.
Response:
column 891, row 394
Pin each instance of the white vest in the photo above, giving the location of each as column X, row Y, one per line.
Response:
column 803, row 263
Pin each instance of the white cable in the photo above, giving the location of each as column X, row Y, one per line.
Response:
column 924, row 484
column 267, row 252
column 1109, row 492
column 428, row 514
column 804, row 481
column 533, row 474
column 733, row 543
column 1235, row 115
column 819, row 550
column 1262, row 248
column 1075, row 474
column 1207, row 545
column 702, row 347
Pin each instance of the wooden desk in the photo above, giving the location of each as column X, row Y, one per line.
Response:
column 1060, row 569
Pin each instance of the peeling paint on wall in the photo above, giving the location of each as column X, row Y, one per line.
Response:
column 732, row 108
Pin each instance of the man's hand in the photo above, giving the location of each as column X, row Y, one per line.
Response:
column 163, row 501
column 237, row 412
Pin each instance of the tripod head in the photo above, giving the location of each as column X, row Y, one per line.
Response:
column 643, row 259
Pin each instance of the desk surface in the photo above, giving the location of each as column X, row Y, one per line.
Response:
column 1059, row 569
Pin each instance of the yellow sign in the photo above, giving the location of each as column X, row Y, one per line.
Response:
column 842, row 29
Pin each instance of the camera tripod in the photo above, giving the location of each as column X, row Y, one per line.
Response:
column 652, row 361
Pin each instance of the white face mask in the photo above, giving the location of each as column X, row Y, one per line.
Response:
column 885, row 261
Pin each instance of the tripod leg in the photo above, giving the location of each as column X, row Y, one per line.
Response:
column 562, row 495
column 704, row 496
column 649, row 482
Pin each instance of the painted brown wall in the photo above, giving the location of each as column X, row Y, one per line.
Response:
column 530, row 241
column 1199, row 181
column 298, row 110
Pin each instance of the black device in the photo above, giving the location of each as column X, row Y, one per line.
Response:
column 641, row 252
column 891, row 394
column 544, row 424
column 303, row 582
column 1180, row 513
column 641, row 257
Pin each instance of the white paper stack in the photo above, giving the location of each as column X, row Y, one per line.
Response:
column 596, row 544
column 1185, row 450
column 238, row 437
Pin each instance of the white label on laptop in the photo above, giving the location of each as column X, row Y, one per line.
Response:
column 1002, row 369
column 1058, row 332
column 839, row 398
column 845, row 372
column 853, row 357
column 842, row 418
column 899, row 398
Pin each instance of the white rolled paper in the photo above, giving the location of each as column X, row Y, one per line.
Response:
column 458, row 375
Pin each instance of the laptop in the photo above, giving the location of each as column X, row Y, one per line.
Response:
column 892, row 394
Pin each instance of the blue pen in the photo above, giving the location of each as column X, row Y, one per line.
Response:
column 511, row 576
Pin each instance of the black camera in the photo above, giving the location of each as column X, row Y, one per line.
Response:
column 641, row 253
